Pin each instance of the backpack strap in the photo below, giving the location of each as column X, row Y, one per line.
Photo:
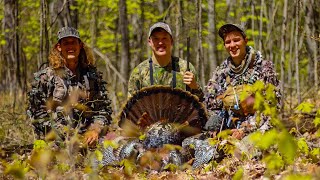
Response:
column 174, row 73
column 151, row 71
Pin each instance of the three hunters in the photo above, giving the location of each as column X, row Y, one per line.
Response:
column 70, row 96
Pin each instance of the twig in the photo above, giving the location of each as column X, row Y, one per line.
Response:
column 55, row 19
column 108, row 62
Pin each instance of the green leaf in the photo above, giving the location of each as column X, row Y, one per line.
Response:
column 274, row 162
column 316, row 121
column 305, row 107
column 224, row 134
column 264, row 141
column 107, row 143
column 258, row 86
column 287, row 146
column 98, row 154
column 238, row 175
column 270, row 95
column 297, row 176
column 315, row 152
column 258, row 101
column 17, row 169
column 129, row 166
column 39, row 144
column 171, row 167
column 209, row 167
column 318, row 133
column 142, row 137
column 303, row 146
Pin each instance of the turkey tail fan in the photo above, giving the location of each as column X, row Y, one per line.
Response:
column 167, row 105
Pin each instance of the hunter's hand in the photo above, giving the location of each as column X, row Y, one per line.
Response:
column 189, row 79
column 90, row 137
column 247, row 105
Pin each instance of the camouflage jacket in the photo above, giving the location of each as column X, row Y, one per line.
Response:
column 59, row 98
column 140, row 76
column 224, row 76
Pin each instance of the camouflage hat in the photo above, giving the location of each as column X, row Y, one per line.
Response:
column 229, row 28
column 162, row 25
column 68, row 32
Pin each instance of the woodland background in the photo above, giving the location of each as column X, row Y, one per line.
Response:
column 286, row 32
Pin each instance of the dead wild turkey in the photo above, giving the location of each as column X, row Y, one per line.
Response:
column 161, row 115
column 166, row 115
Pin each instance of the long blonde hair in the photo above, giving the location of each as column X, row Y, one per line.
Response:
column 85, row 57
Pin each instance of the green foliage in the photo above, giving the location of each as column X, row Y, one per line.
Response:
column 317, row 119
column 171, row 167
column 39, row 144
column 17, row 169
column 238, row 175
column 129, row 166
column 63, row 167
column 224, row 134
column 305, row 107
column 98, row 155
column 287, row 146
column 274, row 163
column 142, row 137
column 303, row 146
column 297, row 176
column 209, row 167
column 107, row 143
column 264, row 141
column 315, row 153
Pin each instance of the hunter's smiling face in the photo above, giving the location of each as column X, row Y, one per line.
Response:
column 161, row 43
column 70, row 48
column 235, row 44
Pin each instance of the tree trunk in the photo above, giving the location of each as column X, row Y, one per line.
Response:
column 261, row 24
column 44, row 37
column 311, row 45
column 9, row 36
column 162, row 6
column 283, row 50
column 297, row 51
column 68, row 17
column 200, row 64
column 125, row 56
column 94, row 24
column 252, row 20
column 17, row 43
column 212, row 54
column 177, row 30
column 72, row 14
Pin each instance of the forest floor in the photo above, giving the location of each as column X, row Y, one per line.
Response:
column 20, row 159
